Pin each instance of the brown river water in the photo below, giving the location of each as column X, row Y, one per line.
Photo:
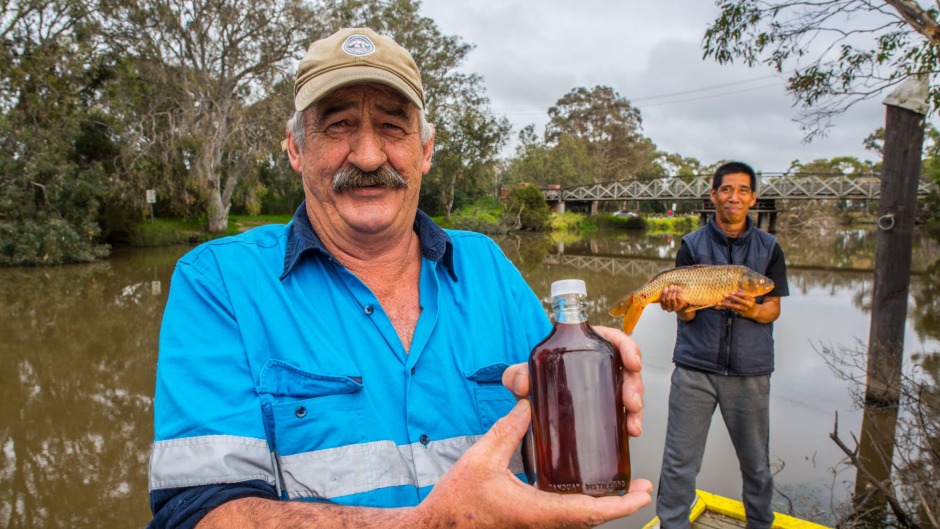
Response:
column 78, row 348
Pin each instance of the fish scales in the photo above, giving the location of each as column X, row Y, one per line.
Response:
column 702, row 286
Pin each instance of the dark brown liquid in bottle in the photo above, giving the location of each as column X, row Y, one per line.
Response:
column 579, row 422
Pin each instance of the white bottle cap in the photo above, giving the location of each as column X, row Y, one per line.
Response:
column 568, row 286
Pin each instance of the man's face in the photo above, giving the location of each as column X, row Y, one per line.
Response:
column 365, row 127
column 733, row 198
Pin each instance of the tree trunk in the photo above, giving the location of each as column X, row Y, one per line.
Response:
column 448, row 196
column 219, row 200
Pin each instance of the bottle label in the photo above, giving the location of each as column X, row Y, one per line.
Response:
column 617, row 484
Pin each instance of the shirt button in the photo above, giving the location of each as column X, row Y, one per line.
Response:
column 301, row 412
column 425, row 440
column 412, row 371
column 369, row 310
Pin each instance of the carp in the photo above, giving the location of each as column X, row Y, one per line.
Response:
column 703, row 286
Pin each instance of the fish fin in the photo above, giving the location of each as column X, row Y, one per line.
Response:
column 632, row 314
column 700, row 307
column 620, row 308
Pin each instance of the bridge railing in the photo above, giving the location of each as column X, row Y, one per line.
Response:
column 794, row 187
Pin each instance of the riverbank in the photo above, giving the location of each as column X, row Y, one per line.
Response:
column 168, row 232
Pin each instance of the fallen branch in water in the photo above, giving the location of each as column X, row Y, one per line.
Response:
column 882, row 487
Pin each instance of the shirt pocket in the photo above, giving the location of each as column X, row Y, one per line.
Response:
column 493, row 400
column 311, row 411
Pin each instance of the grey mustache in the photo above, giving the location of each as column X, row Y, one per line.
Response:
column 352, row 177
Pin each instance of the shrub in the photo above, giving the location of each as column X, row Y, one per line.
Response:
column 609, row 221
column 50, row 241
column 526, row 209
column 472, row 219
column 572, row 222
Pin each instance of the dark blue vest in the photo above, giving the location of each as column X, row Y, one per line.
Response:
column 720, row 341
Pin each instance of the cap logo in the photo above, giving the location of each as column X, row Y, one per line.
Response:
column 358, row 45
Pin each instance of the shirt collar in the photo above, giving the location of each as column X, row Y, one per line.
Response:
column 435, row 243
column 722, row 236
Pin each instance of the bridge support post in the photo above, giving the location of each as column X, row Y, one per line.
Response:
column 766, row 210
column 767, row 221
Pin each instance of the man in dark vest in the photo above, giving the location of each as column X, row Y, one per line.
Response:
column 724, row 356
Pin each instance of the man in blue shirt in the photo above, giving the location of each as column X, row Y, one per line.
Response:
column 356, row 358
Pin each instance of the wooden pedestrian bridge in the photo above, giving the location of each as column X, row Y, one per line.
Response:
column 771, row 188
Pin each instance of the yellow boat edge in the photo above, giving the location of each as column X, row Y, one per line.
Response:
column 735, row 509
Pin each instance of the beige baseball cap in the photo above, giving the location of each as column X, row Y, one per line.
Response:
column 351, row 56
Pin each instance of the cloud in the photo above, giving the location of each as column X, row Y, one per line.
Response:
column 530, row 55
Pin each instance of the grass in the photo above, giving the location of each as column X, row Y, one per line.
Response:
column 169, row 232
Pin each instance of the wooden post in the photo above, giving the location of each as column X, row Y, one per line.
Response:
column 904, row 137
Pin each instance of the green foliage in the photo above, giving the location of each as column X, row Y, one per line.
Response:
column 49, row 241
column 839, row 165
column 526, row 209
column 609, row 126
column 567, row 162
column 572, row 223
column 159, row 232
column 54, row 151
column 592, row 136
column 683, row 167
column 676, row 225
column 483, row 216
column 932, row 205
column 609, row 221
column 167, row 232
column 471, row 219
column 214, row 96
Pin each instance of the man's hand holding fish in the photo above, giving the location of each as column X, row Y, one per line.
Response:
column 745, row 306
column 672, row 301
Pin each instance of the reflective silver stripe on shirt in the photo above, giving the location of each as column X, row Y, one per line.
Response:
column 353, row 469
column 209, row 459
column 328, row 473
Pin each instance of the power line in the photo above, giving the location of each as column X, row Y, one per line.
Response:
column 712, row 96
column 704, row 89
column 510, row 110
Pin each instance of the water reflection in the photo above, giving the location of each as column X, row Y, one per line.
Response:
column 77, row 357
column 78, row 350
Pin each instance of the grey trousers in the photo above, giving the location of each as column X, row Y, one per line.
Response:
column 744, row 404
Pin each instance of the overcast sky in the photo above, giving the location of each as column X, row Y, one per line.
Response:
column 532, row 52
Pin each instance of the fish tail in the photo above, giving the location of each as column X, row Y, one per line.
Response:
column 635, row 305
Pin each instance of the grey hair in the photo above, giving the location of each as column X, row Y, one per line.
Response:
column 297, row 125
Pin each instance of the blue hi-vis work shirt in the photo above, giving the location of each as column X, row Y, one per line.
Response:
column 280, row 375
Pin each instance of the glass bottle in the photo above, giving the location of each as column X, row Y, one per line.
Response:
column 578, row 418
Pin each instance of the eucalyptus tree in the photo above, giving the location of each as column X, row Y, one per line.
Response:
column 683, row 167
column 52, row 181
column 840, row 51
column 836, row 166
column 470, row 141
column 214, row 59
column 566, row 162
column 610, row 128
